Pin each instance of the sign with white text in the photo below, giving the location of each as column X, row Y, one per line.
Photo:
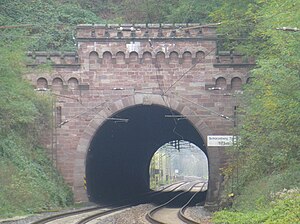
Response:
column 220, row 140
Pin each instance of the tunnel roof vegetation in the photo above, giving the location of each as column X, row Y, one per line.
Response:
column 268, row 118
column 51, row 24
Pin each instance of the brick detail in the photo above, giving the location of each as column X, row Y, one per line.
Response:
column 116, row 67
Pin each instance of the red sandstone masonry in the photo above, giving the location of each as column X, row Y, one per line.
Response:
column 116, row 67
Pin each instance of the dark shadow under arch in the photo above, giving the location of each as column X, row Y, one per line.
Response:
column 117, row 163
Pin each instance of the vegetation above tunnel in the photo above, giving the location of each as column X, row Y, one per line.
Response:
column 50, row 25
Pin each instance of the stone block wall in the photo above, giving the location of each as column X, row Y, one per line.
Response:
column 116, row 66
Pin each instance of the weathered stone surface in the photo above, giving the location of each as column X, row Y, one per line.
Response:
column 156, row 65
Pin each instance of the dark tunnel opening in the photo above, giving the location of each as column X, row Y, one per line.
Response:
column 118, row 159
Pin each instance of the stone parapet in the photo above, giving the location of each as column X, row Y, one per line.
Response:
column 53, row 58
column 145, row 31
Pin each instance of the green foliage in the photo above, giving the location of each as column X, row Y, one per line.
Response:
column 260, row 191
column 270, row 105
column 251, row 25
column 108, row 10
column 147, row 11
column 267, row 158
column 28, row 179
column 151, row 11
column 283, row 209
column 52, row 23
column 29, row 183
column 170, row 11
column 192, row 11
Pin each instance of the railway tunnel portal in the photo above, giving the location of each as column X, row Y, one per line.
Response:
column 129, row 89
column 121, row 150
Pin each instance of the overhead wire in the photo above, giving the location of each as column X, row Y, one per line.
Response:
column 186, row 99
column 88, row 110
column 163, row 92
column 210, row 110
column 163, row 98
column 187, row 71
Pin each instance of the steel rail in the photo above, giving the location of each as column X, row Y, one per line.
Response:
column 149, row 215
column 181, row 214
column 169, row 186
column 81, row 211
column 66, row 214
column 98, row 215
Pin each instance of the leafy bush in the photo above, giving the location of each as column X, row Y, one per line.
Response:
column 269, row 108
column 256, row 195
column 52, row 23
column 284, row 209
column 266, row 160
column 29, row 182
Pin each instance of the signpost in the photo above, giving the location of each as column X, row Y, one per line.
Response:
column 220, row 140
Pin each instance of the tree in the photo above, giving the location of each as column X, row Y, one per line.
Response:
column 51, row 24
column 168, row 11
column 28, row 180
column 270, row 125
column 192, row 11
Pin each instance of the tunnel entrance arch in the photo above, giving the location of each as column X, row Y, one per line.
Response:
column 195, row 131
column 118, row 158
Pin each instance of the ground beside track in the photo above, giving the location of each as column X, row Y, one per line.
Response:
column 34, row 217
column 199, row 214
column 135, row 215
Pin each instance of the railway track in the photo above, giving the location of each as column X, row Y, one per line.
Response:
column 84, row 216
column 170, row 213
column 102, row 213
column 66, row 214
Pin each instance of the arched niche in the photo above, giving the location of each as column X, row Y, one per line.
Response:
column 173, row 57
column 120, row 57
column 73, row 83
column 133, row 57
column 236, row 83
column 160, row 57
column 42, row 83
column 93, row 60
column 221, row 83
column 187, row 57
column 107, row 57
column 147, row 57
column 57, row 84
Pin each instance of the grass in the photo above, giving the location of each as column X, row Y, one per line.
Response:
column 29, row 183
column 271, row 199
